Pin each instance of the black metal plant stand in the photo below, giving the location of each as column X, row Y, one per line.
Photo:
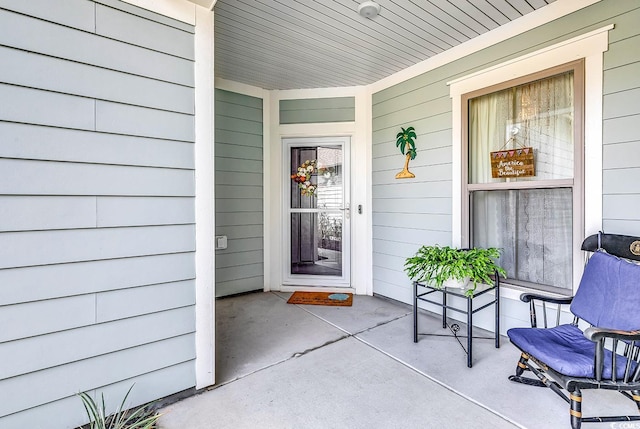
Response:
column 469, row 311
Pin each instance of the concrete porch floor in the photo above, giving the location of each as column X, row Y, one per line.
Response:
column 300, row 366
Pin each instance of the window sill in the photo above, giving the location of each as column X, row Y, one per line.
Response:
column 511, row 291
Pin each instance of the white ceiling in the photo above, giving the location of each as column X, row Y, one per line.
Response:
column 290, row 44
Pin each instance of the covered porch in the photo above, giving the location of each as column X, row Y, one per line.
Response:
column 291, row 366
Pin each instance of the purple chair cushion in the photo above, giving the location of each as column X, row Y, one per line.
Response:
column 564, row 349
column 609, row 293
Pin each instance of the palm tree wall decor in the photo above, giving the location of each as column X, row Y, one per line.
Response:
column 404, row 140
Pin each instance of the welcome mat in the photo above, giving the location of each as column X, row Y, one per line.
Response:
column 322, row 298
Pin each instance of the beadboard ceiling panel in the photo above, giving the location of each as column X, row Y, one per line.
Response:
column 294, row 44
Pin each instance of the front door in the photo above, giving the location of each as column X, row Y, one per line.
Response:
column 317, row 212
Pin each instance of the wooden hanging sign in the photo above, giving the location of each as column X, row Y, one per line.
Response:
column 512, row 163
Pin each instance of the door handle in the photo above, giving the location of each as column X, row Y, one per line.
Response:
column 347, row 210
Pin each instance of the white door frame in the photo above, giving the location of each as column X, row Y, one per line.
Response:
column 361, row 147
column 344, row 281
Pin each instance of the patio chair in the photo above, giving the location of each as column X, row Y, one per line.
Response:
column 567, row 359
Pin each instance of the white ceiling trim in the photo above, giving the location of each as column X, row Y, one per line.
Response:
column 513, row 28
column 304, row 93
column 241, row 88
column 181, row 10
column 209, row 4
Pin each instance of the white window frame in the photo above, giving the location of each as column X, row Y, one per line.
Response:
column 590, row 47
column 574, row 183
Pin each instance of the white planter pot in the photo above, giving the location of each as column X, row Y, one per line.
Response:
column 455, row 283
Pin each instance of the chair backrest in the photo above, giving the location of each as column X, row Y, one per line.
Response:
column 609, row 293
column 625, row 246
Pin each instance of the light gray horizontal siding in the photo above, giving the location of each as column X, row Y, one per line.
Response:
column 408, row 235
column 27, row 141
column 239, row 138
column 29, row 248
column 317, row 110
column 238, row 219
column 125, row 303
column 435, row 173
column 23, row 356
column 62, row 178
column 239, row 192
column 398, row 189
column 63, row 76
column 97, row 234
column 621, row 136
column 621, row 181
column 240, row 245
column 78, row 14
column 617, row 207
column 244, row 258
column 239, row 272
column 231, row 287
column 250, row 153
column 121, row 25
column 39, row 36
column 122, row 365
column 621, row 155
column 409, row 213
column 24, row 213
column 400, row 249
column 247, row 126
column 620, row 130
column 42, row 317
column 236, row 165
column 46, row 108
column 433, row 222
column 21, row 285
column 142, row 121
column 164, row 381
column 621, row 78
column 144, row 211
column 235, row 205
column 231, row 179
column 146, row 14
column 391, row 262
column 632, row 227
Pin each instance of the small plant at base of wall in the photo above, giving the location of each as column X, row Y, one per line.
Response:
column 138, row 418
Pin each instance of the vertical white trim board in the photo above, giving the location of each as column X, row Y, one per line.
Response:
column 205, row 202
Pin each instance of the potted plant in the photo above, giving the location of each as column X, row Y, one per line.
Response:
column 436, row 265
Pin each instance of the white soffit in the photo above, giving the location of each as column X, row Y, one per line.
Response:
column 297, row 44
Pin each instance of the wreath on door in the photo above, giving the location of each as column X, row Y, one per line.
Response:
column 303, row 177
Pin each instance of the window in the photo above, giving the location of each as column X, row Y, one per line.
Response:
column 529, row 200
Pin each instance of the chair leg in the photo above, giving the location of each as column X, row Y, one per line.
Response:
column 575, row 408
column 522, row 364
column 635, row 395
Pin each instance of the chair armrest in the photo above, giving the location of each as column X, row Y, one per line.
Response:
column 532, row 297
column 596, row 334
column 599, row 336
column 527, row 297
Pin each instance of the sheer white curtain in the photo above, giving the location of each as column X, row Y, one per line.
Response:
column 532, row 226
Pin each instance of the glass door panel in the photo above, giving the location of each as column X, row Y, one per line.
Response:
column 318, row 212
